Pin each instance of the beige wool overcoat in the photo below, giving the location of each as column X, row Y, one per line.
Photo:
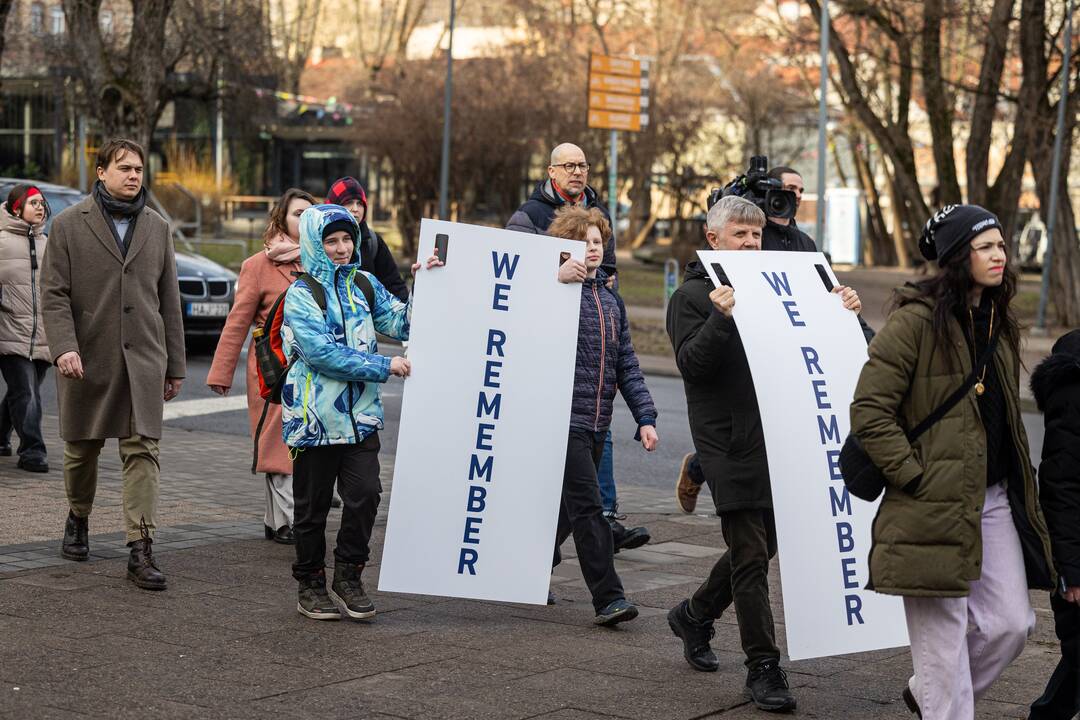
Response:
column 121, row 314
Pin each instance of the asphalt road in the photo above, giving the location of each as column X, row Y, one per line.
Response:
column 633, row 466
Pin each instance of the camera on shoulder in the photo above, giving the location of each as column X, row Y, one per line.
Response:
column 756, row 186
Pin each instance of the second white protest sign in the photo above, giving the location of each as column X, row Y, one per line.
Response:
column 805, row 353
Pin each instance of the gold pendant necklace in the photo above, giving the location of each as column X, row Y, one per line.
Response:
column 980, row 387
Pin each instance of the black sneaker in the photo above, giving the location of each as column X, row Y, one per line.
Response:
column 313, row 602
column 615, row 612
column 625, row 538
column 695, row 635
column 911, row 702
column 551, row 598
column 767, row 685
column 348, row 592
column 76, row 543
column 34, row 466
column 5, row 449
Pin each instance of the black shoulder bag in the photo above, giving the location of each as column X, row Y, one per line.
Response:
column 862, row 477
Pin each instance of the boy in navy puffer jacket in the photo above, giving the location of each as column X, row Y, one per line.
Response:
column 605, row 361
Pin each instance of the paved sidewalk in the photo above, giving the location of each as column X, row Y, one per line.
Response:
column 225, row 641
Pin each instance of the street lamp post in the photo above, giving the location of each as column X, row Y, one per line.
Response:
column 444, row 166
column 1055, row 176
column 823, row 119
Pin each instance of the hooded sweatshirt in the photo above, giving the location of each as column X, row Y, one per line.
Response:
column 331, row 393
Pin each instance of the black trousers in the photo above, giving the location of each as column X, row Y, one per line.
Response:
column 582, row 513
column 741, row 577
column 1061, row 700
column 356, row 470
column 20, row 409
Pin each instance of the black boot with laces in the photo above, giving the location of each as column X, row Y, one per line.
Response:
column 695, row 635
column 141, row 567
column 767, row 685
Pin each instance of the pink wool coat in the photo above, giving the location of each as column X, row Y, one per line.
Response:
column 261, row 282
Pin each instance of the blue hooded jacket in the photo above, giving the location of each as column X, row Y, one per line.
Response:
column 331, row 394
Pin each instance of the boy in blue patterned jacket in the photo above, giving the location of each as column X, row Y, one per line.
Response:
column 331, row 411
column 605, row 362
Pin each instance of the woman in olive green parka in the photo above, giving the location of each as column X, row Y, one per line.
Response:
column 959, row 533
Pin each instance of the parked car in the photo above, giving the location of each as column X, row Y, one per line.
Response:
column 207, row 289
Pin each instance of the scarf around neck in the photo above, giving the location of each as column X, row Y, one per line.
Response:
column 282, row 249
column 119, row 208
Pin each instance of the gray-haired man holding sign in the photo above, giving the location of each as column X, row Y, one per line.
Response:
column 726, row 427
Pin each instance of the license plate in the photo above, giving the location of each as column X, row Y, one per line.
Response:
column 207, row 309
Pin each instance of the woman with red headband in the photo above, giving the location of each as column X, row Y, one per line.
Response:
column 24, row 354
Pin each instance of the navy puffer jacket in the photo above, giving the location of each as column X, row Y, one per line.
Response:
column 606, row 361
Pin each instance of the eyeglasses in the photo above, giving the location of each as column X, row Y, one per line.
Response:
column 36, row 203
column 570, row 168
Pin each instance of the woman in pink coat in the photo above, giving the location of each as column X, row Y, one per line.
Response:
column 263, row 277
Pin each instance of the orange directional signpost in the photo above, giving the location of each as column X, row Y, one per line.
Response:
column 618, row 100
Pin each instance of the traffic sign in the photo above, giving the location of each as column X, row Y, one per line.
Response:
column 618, row 83
column 618, row 102
column 615, row 65
column 604, row 120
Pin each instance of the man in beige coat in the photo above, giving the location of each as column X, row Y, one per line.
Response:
column 112, row 314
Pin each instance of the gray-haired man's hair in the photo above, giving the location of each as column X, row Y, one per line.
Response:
column 734, row 209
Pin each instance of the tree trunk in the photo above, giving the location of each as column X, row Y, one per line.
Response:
column 892, row 138
column 5, row 9
column 880, row 249
column 125, row 90
column 985, row 103
column 939, row 103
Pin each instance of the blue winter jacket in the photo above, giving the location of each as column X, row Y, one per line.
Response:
column 606, row 361
column 331, row 394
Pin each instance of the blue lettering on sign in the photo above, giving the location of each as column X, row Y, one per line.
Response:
column 844, row 539
column 793, row 313
column 829, row 433
column 484, row 436
column 467, row 559
column 476, row 470
column 778, row 282
column 832, row 457
column 488, row 407
column 472, row 529
column 503, row 265
column 821, row 395
column 841, row 502
column 854, row 608
column 476, row 503
column 501, row 297
column 828, row 430
column 492, row 374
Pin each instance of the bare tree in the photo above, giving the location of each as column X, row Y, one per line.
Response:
column 5, row 10
column 383, row 30
column 291, row 26
column 124, row 81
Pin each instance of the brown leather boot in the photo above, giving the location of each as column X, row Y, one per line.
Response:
column 141, row 567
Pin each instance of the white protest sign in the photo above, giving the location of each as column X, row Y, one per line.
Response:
column 805, row 353
column 484, row 417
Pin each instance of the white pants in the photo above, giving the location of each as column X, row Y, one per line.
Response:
column 960, row 646
column 279, row 501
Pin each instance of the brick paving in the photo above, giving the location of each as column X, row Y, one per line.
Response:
column 225, row 641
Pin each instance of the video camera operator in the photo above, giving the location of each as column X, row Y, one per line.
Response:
column 778, row 192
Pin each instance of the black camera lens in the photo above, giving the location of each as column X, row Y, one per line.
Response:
column 780, row 204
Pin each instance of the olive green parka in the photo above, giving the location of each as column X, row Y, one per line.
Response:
column 927, row 538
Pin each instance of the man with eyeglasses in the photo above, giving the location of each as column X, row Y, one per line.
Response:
column 567, row 184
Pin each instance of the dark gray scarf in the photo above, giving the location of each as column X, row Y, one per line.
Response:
column 111, row 207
